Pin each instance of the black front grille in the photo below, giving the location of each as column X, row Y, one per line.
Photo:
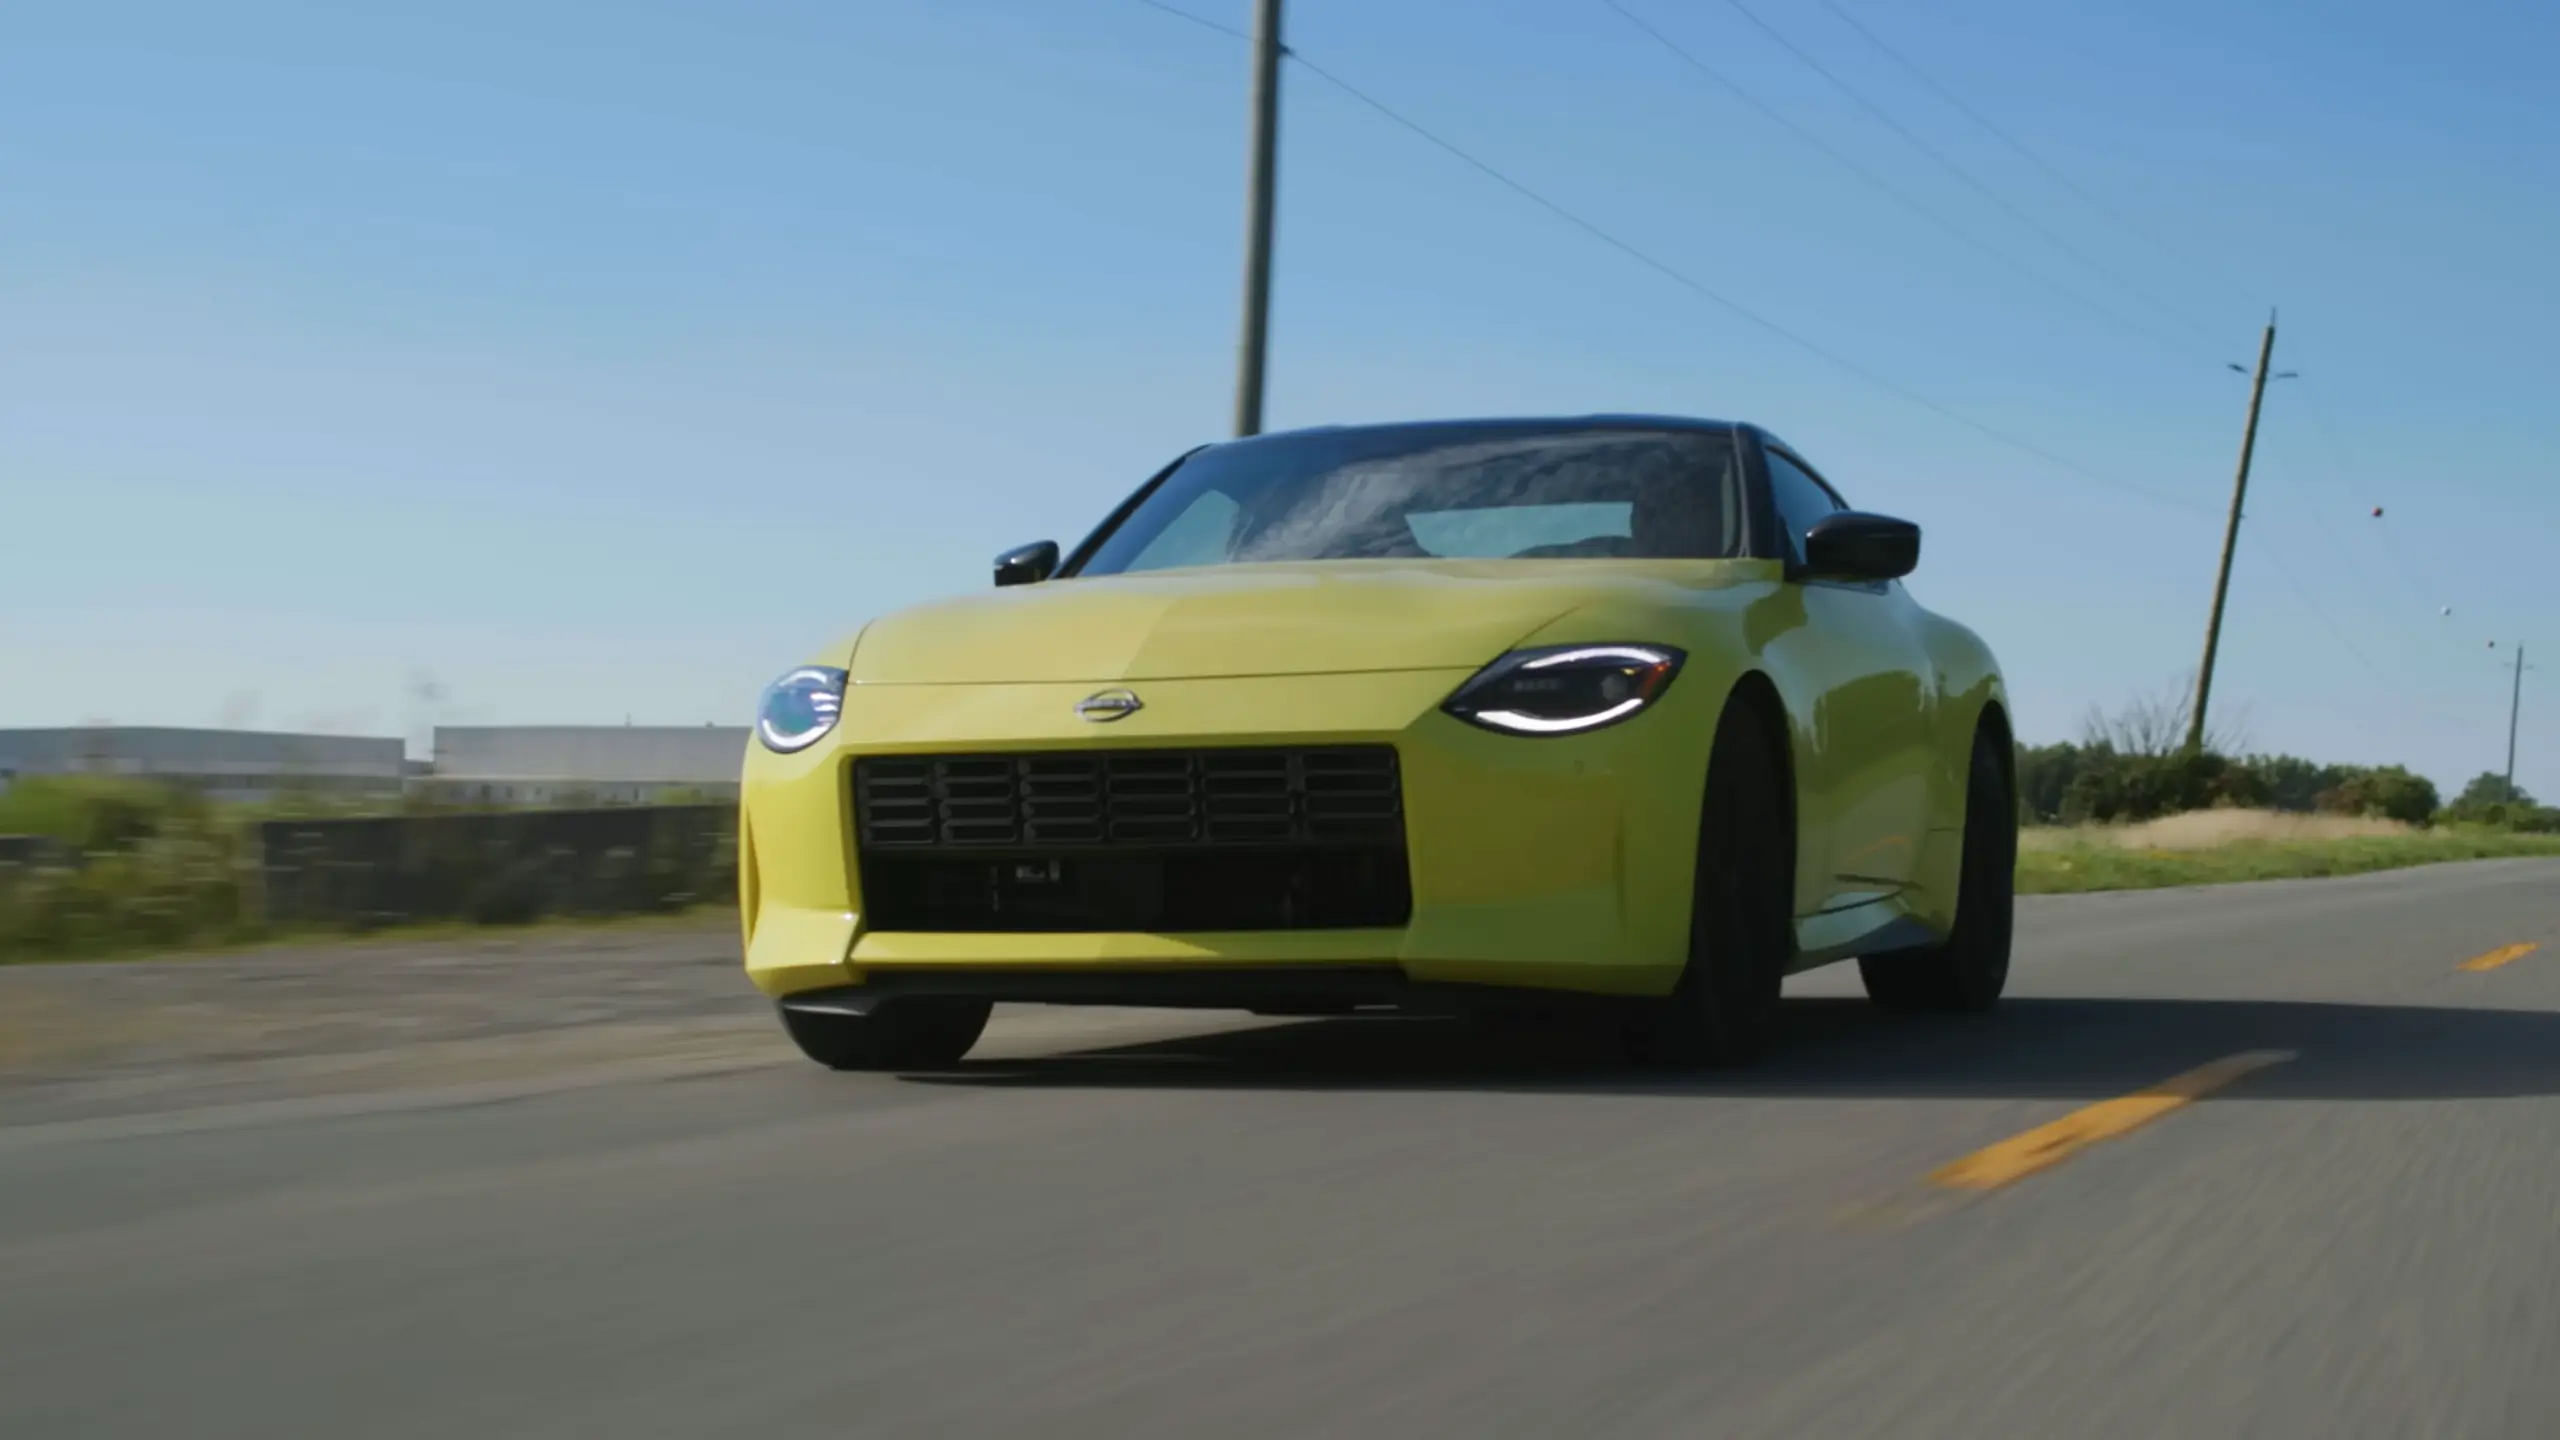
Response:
column 1261, row 838
column 1121, row 799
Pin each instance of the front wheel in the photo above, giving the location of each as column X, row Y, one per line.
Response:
column 917, row 1033
column 1968, row 971
column 1741, row 930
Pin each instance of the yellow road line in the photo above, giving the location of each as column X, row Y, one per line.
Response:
column 2499, row 956
column 2047, row 1145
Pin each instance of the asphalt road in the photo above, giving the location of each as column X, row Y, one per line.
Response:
column 1125, row 1225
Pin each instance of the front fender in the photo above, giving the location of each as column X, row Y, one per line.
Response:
column 1969, row 685
column 1970, row 692
column 777, row 808
column 1726, row 633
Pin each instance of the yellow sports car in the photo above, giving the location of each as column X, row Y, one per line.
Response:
column 1630, row 712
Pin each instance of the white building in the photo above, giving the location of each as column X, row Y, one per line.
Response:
column 245, row 766
column 583, row 764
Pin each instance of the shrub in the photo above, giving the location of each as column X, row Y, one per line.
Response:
column 2133, row 767
column 132, row 863
column 2105, row 785
column 89, row 814
column 2045, row 773
column 123, row 864
column 2386, row 792
column 2493, row 800
column 2293, row 783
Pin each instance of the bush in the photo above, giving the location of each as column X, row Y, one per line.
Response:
column 2045, row 773
column 89, row 814
column 2293, row 783
column 130, row 864
column 2492, row 800
column 114, row 863
column 2081, row 784
column 2387, row 792
column 2135, row 766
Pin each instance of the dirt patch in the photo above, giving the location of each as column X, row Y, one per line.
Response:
column 312, row 1014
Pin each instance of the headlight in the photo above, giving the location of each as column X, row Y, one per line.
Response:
column 1563, row 689
column 800, row 708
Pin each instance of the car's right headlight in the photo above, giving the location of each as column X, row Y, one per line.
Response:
column 1565, row 689
column 800, row 708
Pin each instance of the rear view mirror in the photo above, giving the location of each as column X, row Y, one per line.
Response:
column 1854, row 545
column 1028, row 564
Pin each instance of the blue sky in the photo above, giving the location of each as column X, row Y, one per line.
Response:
column 602, row 360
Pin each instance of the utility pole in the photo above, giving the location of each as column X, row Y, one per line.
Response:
column 2515, row 707
column 2230, row 539
column 1264, row 146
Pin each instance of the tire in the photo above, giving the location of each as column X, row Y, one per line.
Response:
column 1966, row 973
column 911, row 1034
column 1741, row 921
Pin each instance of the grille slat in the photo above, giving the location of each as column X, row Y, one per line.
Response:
column 1144, row 799
column 1265, row 838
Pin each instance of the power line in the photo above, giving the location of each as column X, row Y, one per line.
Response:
column 2053, row 171
column 2399, row 567
column 1203, row 21
column 2289, row 478
column 2239, row 493
column 2403, row 689
column 2402, row 566
column 2285, row 573
column 1967, row 176
column 2398, row 689
column 1708, row 293
column 2274, row 559
column 1735, row 307
column 1842, row 158
column 2404, row 570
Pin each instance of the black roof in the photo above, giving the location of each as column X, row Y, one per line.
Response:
column 1520, row 424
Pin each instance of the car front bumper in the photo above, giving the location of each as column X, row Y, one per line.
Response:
column 1553, row 863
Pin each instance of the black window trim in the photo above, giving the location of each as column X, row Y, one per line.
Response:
column 1768, row 503
column 1747, row 544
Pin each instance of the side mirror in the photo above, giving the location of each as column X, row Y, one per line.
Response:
column 1854, row 545
column 1027, row 564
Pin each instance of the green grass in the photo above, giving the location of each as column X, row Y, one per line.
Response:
column 2056, row 865
column 708, row 916
column 164, row 872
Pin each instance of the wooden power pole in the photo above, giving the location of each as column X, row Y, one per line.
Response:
column 2515, row 707
column 1262, row 157
column 2230, row 540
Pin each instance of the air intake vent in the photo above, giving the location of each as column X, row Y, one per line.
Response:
column 1145, row 799
column 1133, row 840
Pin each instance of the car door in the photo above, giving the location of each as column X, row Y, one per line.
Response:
column 1860, row 672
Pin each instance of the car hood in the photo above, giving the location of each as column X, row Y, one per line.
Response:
column 1305, row 618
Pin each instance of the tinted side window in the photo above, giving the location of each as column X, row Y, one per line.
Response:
column 1801, row 500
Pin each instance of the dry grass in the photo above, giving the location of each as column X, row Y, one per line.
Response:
column 2211, row 830
column 2207, row 847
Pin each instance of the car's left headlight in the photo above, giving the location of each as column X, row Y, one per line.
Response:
column 1565, row 689
column 800, row 708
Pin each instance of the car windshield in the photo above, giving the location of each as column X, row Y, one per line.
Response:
column 1439, row 491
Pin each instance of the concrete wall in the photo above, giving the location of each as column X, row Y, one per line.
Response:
column 497, row 868
column 237, row 765
column 592, row 764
